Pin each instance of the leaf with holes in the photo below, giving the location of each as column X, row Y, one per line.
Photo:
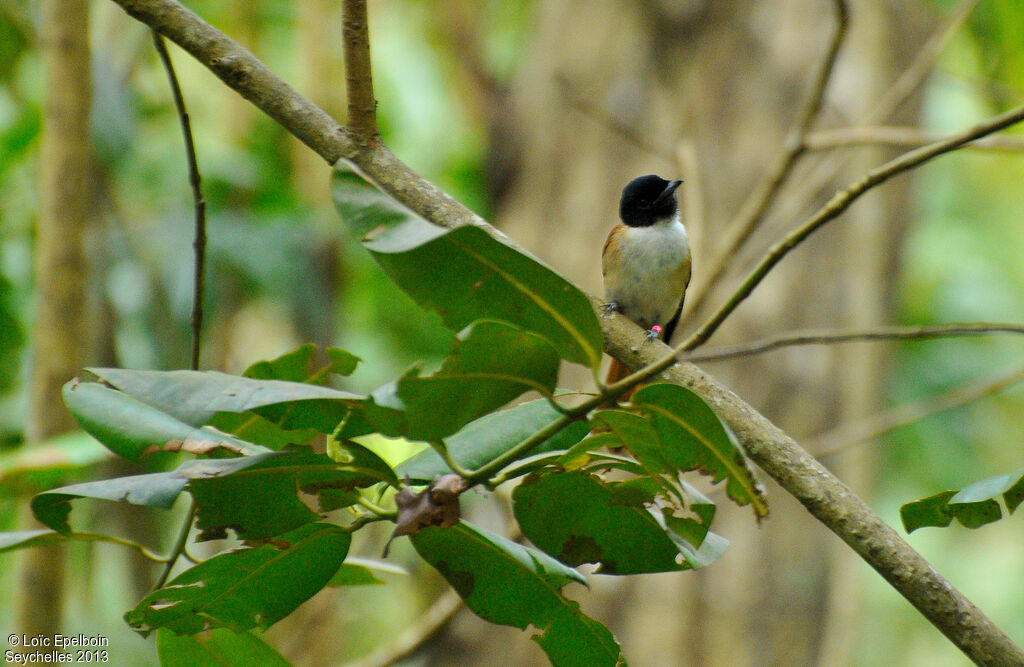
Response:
column 510, row 584
column 693, row 438
column 580, row 518
column 246, row 588
column 973, row 506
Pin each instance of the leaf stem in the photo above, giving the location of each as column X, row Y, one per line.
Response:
column 441, row 448
column 179, row 546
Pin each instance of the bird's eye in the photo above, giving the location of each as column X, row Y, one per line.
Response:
column 644, row 203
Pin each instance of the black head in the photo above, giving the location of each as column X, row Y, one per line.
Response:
column 647, row 200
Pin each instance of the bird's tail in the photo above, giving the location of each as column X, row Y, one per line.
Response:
column 617, row 371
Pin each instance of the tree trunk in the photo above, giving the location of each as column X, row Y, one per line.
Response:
column 60, row 327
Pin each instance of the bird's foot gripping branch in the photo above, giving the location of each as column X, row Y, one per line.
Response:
column 246, row 454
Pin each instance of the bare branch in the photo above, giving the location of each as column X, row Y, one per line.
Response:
column 923, row 63
column 828, row 337
column 245, row 74
column 199, row 241
column 362, row 106
column 752, row 212
column 863, row 430
column 903, row 137
column 842, row 201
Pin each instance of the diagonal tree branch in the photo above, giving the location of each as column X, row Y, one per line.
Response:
column 824, row 496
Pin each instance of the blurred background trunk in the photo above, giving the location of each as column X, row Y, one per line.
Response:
column 60, row 332
column 613, row 90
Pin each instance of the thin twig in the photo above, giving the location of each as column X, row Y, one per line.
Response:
column 902, row 137
column 199, row 270
column 922, row 65
column 178, row 548
column 892, row 99
column 752, row 212
column 199, row 241
column 869, row 428
column 362, row 105
column 145, row 551
column 842, row 201
column 828, row 337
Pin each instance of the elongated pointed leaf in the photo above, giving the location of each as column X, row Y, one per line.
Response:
column 693, row 438
column 507, row 583
column 215, row 648
column 247, row 588
column 195, row 396
column 485, row 439
column 158, row 489
column 131, row 428
column 465, row 274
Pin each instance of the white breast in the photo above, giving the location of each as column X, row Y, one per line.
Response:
column 650, row 278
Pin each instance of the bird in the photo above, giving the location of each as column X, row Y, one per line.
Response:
column 646, row 261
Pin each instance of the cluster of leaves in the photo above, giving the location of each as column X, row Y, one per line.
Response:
column 251, row 467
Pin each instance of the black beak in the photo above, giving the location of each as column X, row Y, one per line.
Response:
column 668, row 191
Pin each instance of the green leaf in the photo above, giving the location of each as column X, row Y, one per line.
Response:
column 973, row 506
column 931, row 511
column 159, row 489
column 485, row 439
column 131, row 428
column 215, row 648
column 579, row 518
column 465, row 274
column 195, row 396
column 693, row 438
column 246, row 588
column 492, row 364
column 264, row 426
column 262, row 500
column 509, row 584
column 297, row 366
